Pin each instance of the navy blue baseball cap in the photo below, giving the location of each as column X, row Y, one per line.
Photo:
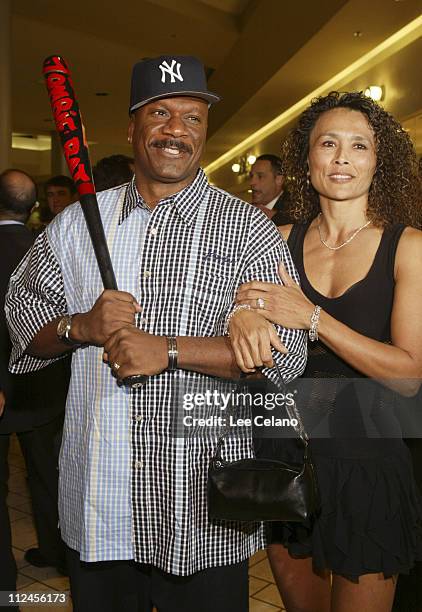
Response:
column 168, row 76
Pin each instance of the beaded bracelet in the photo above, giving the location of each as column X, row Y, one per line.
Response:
column 313, row 329
column 233, row 312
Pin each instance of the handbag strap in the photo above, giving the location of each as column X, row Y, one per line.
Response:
column 292, row 412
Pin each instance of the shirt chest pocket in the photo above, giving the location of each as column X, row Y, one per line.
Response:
column 88, row 284
column 212, row 295
column 84, row 285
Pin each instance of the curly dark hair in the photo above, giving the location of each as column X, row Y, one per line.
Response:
column 395, row 195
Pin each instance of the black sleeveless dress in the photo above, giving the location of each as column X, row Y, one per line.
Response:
column 371, row 513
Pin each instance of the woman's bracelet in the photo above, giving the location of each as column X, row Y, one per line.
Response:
column 231, row 315
column 313, row 329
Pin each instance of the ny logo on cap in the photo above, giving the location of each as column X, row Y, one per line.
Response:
column 174, row 74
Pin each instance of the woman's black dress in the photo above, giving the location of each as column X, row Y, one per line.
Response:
column 371, row 509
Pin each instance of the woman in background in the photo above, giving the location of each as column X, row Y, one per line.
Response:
column 357, row 201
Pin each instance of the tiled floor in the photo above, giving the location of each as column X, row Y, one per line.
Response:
column 263, row 593
column 23, row 537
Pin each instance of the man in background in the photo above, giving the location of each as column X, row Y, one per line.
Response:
column 113, row 171
column 267, row 185
column 33, row 404
column 60, row 191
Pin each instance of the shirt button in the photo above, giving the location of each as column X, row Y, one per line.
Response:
column 154, row 231
column 143, row 321
column 138, row 465
column 138, row 417
column 147, row 274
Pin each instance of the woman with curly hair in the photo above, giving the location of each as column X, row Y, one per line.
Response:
column 357, row 203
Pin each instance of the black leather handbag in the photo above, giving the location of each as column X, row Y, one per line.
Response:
column 264, row 489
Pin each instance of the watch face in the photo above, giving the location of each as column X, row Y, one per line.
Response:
column 63, row 325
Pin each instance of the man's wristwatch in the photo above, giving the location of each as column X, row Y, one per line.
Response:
column 63, row 331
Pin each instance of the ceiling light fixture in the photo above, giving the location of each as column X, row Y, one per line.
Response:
column 243, row 166
column 31, row 142
column 376, row 92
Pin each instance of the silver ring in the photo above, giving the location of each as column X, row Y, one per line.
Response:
column 260, row 303
column 116, row 366
column 138, row 385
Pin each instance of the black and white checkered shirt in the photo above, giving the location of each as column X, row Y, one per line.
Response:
column 129, row 487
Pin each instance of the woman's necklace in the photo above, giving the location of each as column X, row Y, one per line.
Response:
column 340, row 246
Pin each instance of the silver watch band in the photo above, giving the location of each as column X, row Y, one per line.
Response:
column 63, row 331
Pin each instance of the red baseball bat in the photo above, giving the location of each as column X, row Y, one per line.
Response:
column 72, row 135
column 69, row 125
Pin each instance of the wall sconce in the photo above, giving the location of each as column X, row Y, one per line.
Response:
column 243, row 165
column 376, row 92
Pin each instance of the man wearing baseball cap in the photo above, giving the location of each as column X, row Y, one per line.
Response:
column 133, row 509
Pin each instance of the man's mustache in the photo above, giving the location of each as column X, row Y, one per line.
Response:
column 170, row 143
